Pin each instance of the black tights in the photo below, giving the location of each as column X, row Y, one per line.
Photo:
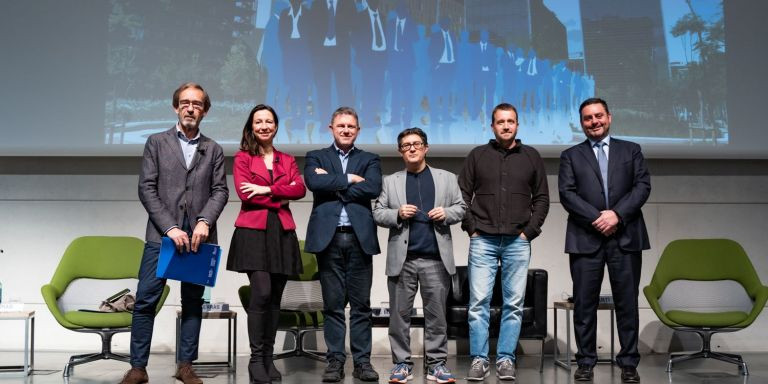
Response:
column 266, row 291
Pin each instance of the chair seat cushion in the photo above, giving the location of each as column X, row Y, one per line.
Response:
column 99, row 319
column 705, row 319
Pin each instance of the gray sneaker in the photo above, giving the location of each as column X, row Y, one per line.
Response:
column 479, row 370
column 505, row 369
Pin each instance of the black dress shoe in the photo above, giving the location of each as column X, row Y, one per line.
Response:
column 334, row 372
column 630, row 375
column 584, row 373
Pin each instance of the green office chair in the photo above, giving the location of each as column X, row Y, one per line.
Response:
column 706, row 286
column 300, row 308
column 91, row 269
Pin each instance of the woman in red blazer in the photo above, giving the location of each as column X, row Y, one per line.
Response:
column 264, row 244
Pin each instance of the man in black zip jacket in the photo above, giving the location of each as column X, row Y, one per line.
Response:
column 504, row 184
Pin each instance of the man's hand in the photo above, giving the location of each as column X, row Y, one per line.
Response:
column 523, row 236
column 254, row 190
column 321, row 171
column 436, row 214
column 180, row 238
column 199, row 235
column 354, row 179
column 407, row 211
column 607, row 223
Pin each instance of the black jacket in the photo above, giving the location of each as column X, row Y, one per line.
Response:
column 506, row 191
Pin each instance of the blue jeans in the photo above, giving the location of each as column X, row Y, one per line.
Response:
column 346, row 275
column 485, row 254
column 148, row 294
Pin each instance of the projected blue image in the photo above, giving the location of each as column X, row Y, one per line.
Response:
column 441, row 65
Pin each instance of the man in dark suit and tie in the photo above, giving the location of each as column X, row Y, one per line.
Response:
column 343, row 180
column 183, row 187
column 603, row 185
column 330, row 24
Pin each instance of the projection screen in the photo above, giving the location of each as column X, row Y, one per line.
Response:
column 94, row 77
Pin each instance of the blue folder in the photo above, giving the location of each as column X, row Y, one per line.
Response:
column 198, row 268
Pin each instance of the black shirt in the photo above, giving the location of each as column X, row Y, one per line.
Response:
column 420, row 191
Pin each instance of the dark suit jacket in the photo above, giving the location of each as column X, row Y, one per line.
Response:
column 332, row 191
column 581, row 193
column 169, row 191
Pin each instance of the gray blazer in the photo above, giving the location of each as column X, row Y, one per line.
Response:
column 169, row 191
column 447, row 195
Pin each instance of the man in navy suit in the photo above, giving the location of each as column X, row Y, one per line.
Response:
column 343, row 180
column 603, row 185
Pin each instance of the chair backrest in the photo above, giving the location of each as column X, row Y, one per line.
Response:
column 706, row 260
column 705, row 276
column 98, row 257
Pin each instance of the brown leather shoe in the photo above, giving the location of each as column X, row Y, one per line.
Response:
column 187, row 374
column 135, row 375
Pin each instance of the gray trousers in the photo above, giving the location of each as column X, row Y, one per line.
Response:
column 435, row 284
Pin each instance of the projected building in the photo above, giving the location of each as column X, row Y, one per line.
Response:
column 625, row 50
column 523, row 23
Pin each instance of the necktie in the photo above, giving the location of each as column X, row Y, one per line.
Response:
column 602, row 161
column 448, row 47
column 378, row 34
column 331, row 21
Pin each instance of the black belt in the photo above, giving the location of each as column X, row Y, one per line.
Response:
column 344, row 229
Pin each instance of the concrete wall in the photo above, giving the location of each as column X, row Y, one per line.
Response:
column 46, row 202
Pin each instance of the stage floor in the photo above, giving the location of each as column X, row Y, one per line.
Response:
column 48, row 366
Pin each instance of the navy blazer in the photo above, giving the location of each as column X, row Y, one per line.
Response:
column 332, row 191
column 581, row 193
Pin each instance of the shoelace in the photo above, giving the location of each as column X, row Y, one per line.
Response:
column 505, row 364
column 478, row 364
column 400, row 368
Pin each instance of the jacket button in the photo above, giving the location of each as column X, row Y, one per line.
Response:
column 405, row 241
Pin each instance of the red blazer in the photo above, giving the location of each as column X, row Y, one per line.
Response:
column 286, row 185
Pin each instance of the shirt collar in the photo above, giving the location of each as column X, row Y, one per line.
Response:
column 495, row 144
column 606, row 140
column 180, row 134
column 340, row 152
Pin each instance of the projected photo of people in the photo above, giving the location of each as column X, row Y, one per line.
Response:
column 438, row 64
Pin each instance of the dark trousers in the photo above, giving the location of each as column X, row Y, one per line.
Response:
column 148, row 294
column 624, row 275
column 346, row 274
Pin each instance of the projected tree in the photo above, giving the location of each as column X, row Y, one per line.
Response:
column 700, row 87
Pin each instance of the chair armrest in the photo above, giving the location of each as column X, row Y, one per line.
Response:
column 50, row 296
column 759, row 304
column 652, row 295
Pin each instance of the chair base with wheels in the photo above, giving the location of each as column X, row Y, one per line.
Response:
column 298, row 334
column 706, row 350
column 106, row 349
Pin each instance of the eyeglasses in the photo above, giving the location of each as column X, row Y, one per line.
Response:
column 184, row 104
column 407, row 146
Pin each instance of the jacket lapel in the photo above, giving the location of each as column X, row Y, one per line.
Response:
column 400, row 179
column 439, row 190
column 172, row 142
column 586, row 150
column 278, row 167
column 352, row 161
column 335, row 161
column 260, row 169
column 202, row 147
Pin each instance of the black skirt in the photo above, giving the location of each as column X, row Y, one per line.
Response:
column 272, row 250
